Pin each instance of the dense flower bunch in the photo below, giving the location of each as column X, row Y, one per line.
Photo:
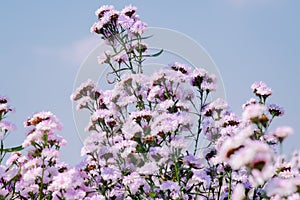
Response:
column 145, row 135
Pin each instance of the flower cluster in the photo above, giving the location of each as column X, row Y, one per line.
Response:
column 122, row 30
column 145, row 134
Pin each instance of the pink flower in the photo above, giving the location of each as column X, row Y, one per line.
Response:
column 125, row 21
column 253, row 111
column 134, row 181
column 282, row 132
column 250, row 102
column 280, row 187
column 261, row 89
column 104, row 57
column 13, row 158
column 7, row 126
column 129, row 10
column 103, row 9
column 138, row 27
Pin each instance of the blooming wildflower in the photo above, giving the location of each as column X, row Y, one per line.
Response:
column 83, row 90
column 261, row 89
column 192, row 161
column 138, row 27
column 280, row 187
column 180, row 142
column 65, row 180
column 229, row 148
column 250, row 102
column 169, row 185
column 184, row 69
column 210, row 130
column 7, row 126
column 154, row 93
column 215, row 108
column 13, row 158
column 270, row 139
column 103, row 9
column 253, row 112
column 121, row 57
column 209, row 83
column 165, row 105
column 160, row 155
column 110, row 17
column 149, row 168
column 200, row 176
column 143, row 114
column 50, row 154
column 129, row 10
column 32, row 174
column 197, row 76
column 282, row 132
column 95, row 197
column 74, row 193
column 125, row 21
column 231, row 119
column 134, row 181
column 275, row 110
column 92, row 143
column 83, row 103
column 4, row 107
column 104, row 57
column 25, row 190
column 3, row 100
column 110, row 173
column 229, row 130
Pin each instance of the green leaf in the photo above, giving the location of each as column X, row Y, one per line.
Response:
column 14, row 149
column 154, row 55
column 141, row 38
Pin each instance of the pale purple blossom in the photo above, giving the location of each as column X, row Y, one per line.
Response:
column 250, row 102
column 125, row 21
column 104, row 57
column 149, row 168
column 129, row 10
column 282, row 132
column 13, row 158
column 7, row 126
column 110, row 173
column 138, row 28
column 169, row 185
column 275, row 110
column 105, row 8
column 209, row 83
column 83, row 90
column 184, row 69
column 134, row 181
column 261, row 89
column 253, row 111
column 280, row 187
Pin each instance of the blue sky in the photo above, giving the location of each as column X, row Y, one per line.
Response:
column 43, row 44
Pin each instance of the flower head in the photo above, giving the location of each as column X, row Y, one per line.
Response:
column 261, row 89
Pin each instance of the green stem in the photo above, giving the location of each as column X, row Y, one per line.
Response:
column 42, row 183
column 199, row 123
